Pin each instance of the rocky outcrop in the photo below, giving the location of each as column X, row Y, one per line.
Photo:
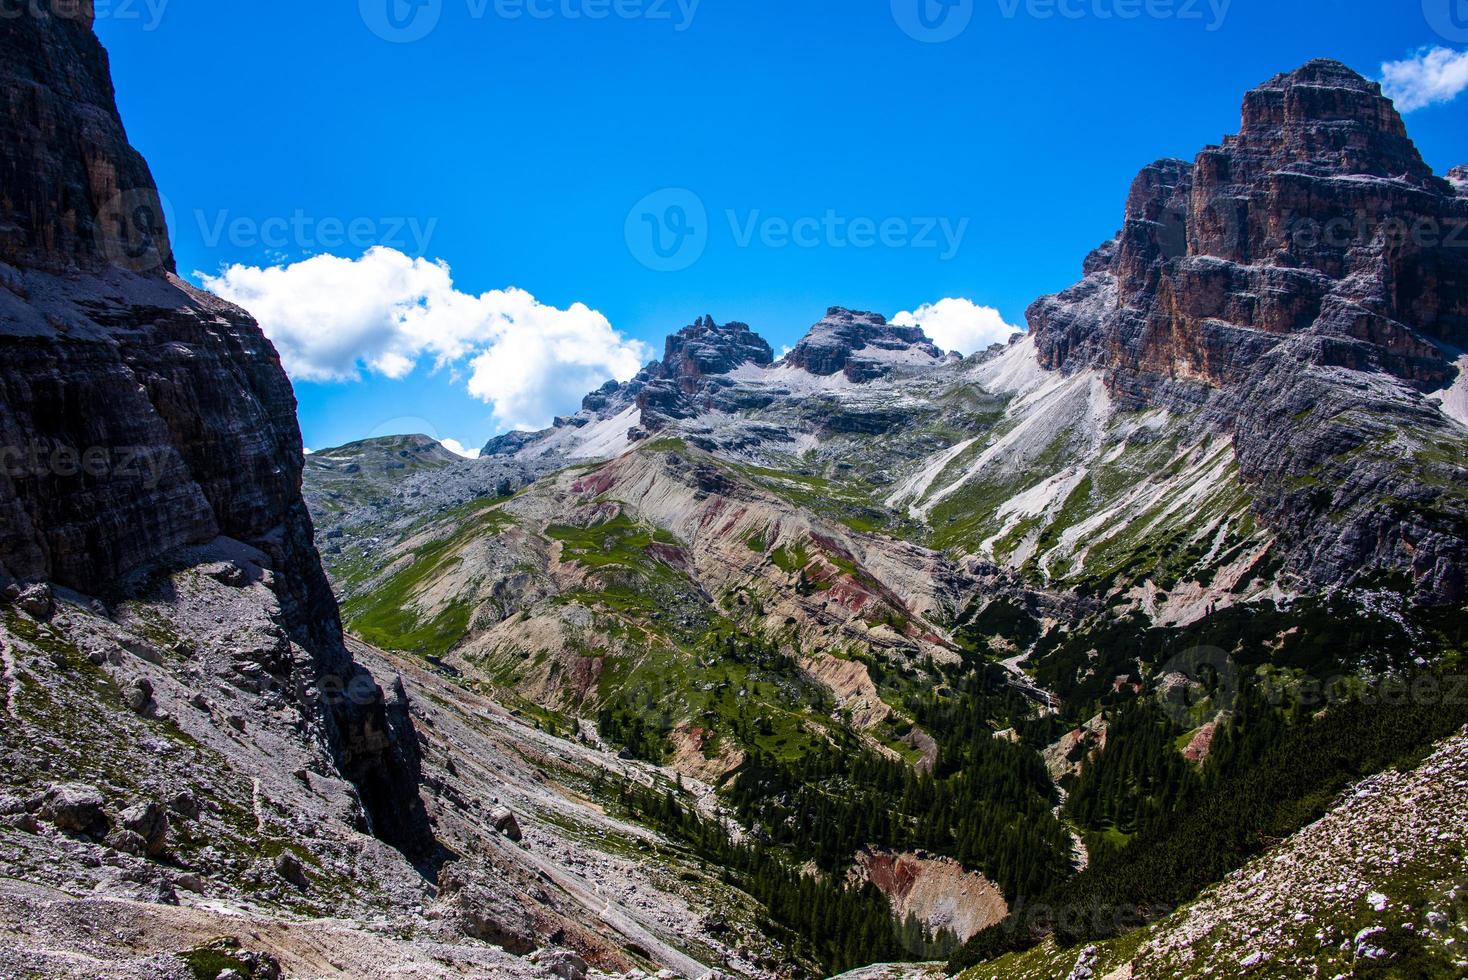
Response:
column 707, row 348
column 1299, row 285
column 77, row 195
column 938, row 891
column 139, row 416
column 684, row 383
column 690, row 379
column 1458, row 177
column 863, row 346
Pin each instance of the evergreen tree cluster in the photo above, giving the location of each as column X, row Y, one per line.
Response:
column 1275, row 768
column 993, row 815
column 841, row 927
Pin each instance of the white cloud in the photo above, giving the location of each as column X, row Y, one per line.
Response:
column 457, row 448
column 959, row 325
column 333, row 318
column 1429, row 77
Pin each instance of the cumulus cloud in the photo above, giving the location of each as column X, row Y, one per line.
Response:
column 959, row 325
column 457, row 448
column 385, row 313
column 1430, row 76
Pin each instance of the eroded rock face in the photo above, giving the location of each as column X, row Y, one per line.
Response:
column 138, row 415
column 1300, row 285
column 863, row 346
column 680, row 386
column 708, row 348
column 76, row 194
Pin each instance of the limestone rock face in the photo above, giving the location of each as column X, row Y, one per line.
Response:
column 708, row 348
column 140, row 416
column 863, row 346
column 684, row 382
column 76, row 194
column 1299, row 285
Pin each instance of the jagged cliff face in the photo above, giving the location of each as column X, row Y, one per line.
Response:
column 76, row 194
column 1304, row 285
column 1318, row 218
column 138, row 415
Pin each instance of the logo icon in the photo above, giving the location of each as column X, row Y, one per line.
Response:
column 933, row 21
column 401, row 21
column 1448, row 17
column 668, row 230
column 132, row 231
column 1197, row 684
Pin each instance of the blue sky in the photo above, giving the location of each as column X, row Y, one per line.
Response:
column 515, row 139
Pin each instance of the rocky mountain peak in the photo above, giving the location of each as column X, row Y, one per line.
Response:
column 706, row 348
column 1255, row 278
column 1324, row 115
column 861, row 345
column 1458, row 177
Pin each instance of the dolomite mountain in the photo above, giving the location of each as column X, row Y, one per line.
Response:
column 572, row 664
column 1245, row 422
column 1303, row 286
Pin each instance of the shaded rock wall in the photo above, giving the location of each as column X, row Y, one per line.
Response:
column 138, row 415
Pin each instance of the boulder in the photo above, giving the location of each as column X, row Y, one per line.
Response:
column 504, row 821
column 127, row 842
column 26, row 823
column 150, row 822
column 139, row 697
column 474, row 903
column 289, row 867
column 36, row 601
column 561, row 963
column 185, row 804
column 76, row 808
